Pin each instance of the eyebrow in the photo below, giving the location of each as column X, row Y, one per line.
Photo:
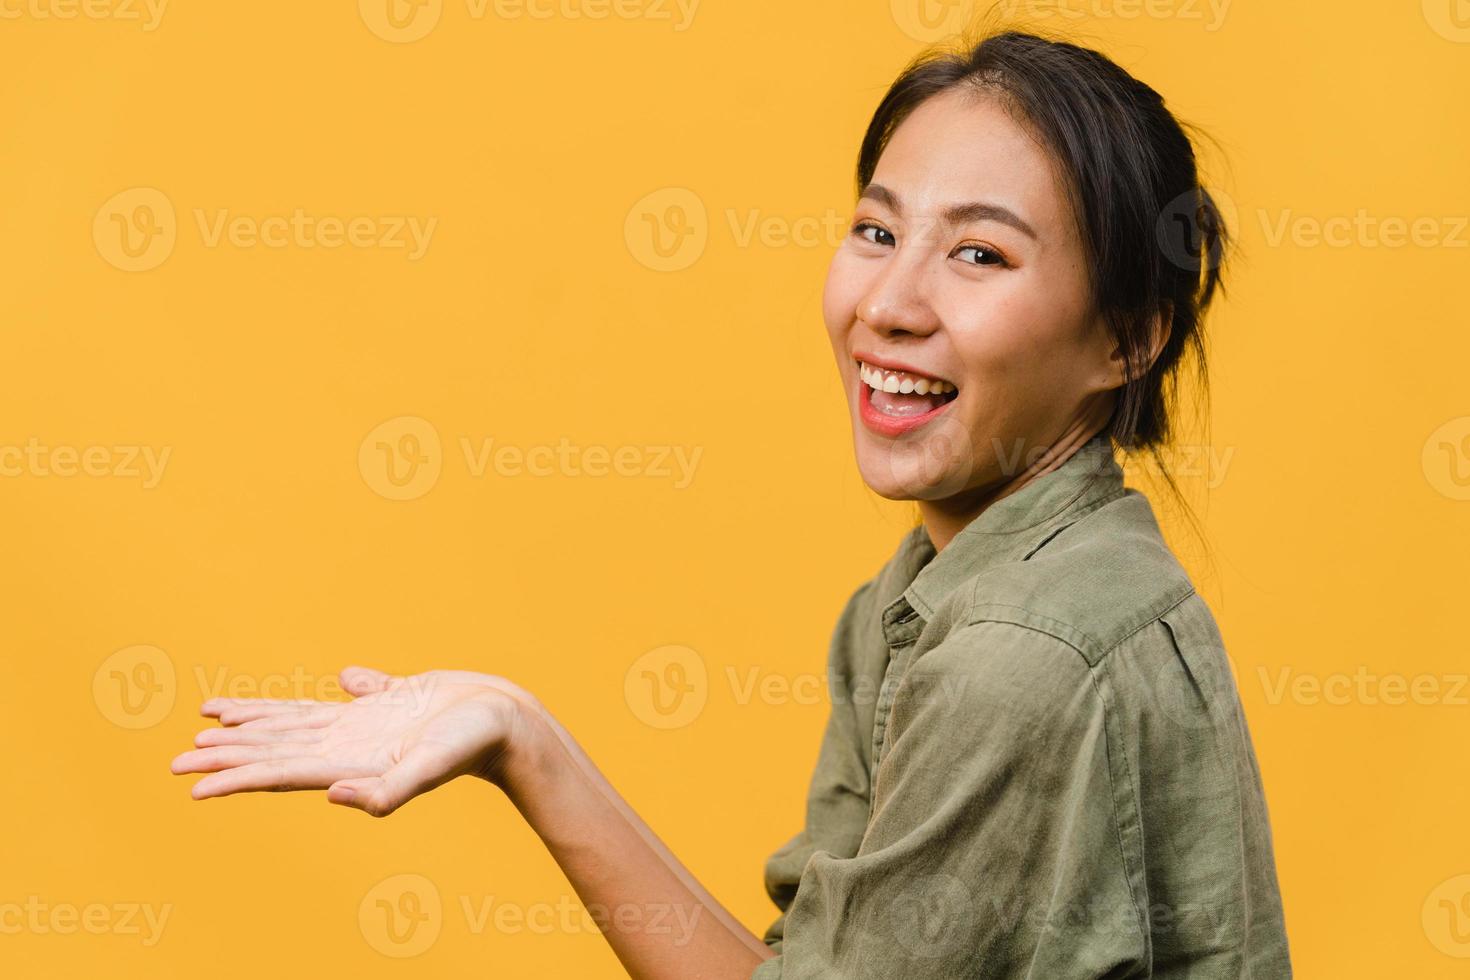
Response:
column 955, row 214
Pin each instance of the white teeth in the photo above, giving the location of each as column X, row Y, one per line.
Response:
column 901, row 382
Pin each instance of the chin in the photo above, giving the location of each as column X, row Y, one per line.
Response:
column 884, row 485
column 931, row 468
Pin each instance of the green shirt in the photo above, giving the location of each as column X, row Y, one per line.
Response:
column 1036, row 763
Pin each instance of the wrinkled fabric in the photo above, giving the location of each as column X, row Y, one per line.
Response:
column 1036, row 763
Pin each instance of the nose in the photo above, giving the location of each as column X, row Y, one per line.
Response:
column 897, row 302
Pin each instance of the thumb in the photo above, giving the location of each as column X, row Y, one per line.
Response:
column 415, row 774
column 358, row 681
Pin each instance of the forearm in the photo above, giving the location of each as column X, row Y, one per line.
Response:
column 595, row 776
column 660, row 922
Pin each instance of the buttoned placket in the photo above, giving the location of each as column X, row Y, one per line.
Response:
column 902, row 626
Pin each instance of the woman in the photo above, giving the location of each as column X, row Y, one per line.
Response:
column 1054, row 778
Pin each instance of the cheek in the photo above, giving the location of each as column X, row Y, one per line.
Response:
column 1020, row 335
column 841, row 294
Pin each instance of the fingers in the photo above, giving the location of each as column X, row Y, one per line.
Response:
column 234, row 711
column 313, row 718
column 222, row 757
column 420, row 770
column 359, row 681
column 244, row 735
column 276, row 775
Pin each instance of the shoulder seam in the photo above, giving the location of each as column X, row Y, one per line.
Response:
column 1078, row 639
column 1055, row 633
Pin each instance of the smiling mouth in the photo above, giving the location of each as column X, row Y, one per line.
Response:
column 903, row 396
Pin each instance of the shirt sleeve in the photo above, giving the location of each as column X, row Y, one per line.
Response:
column 993, row 848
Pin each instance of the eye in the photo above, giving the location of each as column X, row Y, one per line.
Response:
column 879, row 236
column 983, row 255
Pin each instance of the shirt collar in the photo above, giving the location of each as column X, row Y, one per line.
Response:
column 1010, row 529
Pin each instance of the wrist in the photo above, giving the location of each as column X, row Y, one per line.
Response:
column 530, row 750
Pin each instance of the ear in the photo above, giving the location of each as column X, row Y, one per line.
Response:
column 1159, row 328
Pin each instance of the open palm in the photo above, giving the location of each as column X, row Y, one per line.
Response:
column 400, row 737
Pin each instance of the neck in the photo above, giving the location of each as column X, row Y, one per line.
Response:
column 943, row 519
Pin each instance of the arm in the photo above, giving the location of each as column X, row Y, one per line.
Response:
column 402, row 737
column 616, row 862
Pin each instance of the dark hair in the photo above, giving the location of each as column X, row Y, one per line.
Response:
column 1153, row 234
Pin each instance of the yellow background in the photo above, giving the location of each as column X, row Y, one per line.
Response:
column 269, row 553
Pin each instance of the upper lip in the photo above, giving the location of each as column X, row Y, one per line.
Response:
column 888, row 365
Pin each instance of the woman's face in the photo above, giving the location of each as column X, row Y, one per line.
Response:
column 959, row 309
